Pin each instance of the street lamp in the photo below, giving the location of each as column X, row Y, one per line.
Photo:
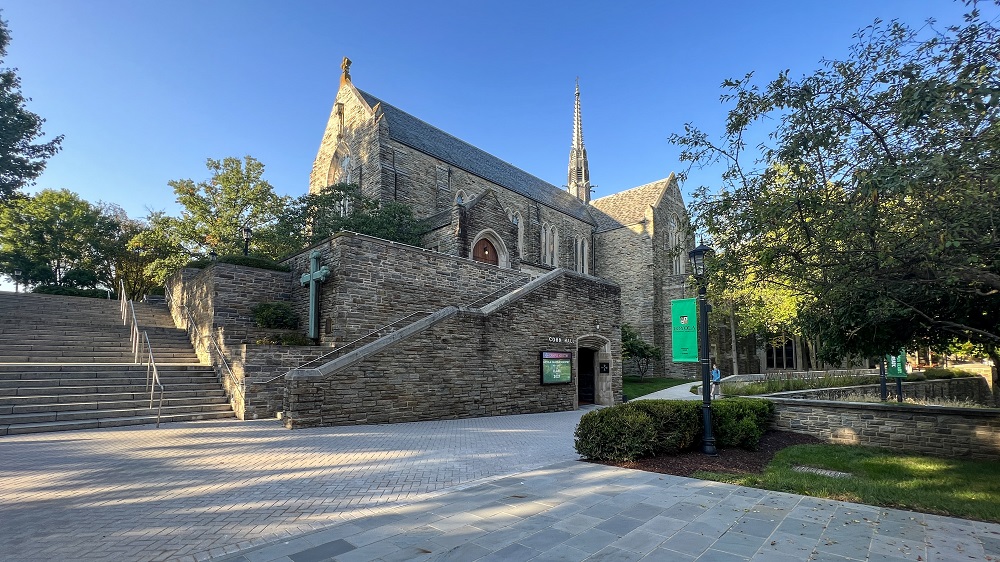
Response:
column 698, row 256
column 213, row 256
column 246, row 240
column 17, row 278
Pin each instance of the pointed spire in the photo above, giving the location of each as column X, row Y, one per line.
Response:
column 578, row 182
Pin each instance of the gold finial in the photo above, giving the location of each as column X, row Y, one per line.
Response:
column 346, row 67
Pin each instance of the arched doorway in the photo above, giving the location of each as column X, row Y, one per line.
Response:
column 489, row 248
column 484, row 251
column 595, row 370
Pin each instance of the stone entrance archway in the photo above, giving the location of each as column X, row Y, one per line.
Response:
column 594, row 370
column 487, row 247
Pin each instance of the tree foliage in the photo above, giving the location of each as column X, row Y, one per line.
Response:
column 22, row 157
column 51, row 234
column 640, row 352
column 317, row 216
column 874, row 198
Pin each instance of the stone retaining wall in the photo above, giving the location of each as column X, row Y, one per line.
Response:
column 933, row 430
column 257, row 364
column 972, row 389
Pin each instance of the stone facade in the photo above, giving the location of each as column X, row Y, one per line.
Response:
column 637, row 238
column 470, row 362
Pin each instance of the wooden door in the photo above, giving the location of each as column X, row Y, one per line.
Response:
column 485, row 252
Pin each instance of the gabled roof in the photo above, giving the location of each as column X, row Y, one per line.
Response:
column 628, row 207
column 407, row 129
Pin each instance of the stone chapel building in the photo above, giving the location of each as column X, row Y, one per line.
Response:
column 477, row 206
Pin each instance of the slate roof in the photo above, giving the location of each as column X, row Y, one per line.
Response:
column 413, row 132
column 627, row 207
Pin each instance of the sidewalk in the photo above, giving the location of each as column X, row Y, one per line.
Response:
column 574, row 511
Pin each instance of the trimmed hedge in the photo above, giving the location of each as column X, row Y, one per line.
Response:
column 73, row 291
column 619, row 434
column 741, row 422
column 641, row 428
column 247, row 261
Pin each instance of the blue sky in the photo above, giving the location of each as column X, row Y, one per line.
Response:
column 144, row 92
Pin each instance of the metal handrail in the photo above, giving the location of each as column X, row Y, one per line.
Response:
column 153, row 379
column 189, row 324
column 341, row 348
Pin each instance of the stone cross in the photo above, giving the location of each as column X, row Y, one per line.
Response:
column 316, row 275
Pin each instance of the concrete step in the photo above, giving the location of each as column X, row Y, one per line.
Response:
column 163, row 368
column 80, row 390
column 14, row 403
column 17, row 429
column 133, row 403
column 75, row 415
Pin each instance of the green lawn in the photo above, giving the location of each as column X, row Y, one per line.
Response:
column 959, row 488
column 634, row 387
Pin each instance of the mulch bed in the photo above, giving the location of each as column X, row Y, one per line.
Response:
column 730, row 460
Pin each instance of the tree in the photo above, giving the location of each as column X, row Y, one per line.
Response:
column 51, row 233
column 317, row 216
column 22, row 159
column 875, row 199
column 213, row 216
column 638, row 351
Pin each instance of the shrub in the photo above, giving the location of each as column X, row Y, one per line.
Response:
column 279, row 315
column 942, row 373
column 618, row 433
column 677, row 423
column 247, row 261
column 72, row 291
column 741, row 422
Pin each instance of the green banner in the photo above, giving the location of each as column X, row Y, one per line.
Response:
column 895, row 366
column 684, row 330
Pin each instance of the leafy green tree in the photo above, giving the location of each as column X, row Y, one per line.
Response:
column 640, row 352
column 22, row 158
column 51, row 233
column 317, row 216
column 214, row 214
column 874, row 198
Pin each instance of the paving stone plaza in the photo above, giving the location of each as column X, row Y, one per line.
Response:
column 496, row 488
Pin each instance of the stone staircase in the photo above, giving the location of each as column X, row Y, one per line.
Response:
column 67, row 363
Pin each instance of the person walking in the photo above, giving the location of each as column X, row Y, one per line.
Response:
column 716, row 380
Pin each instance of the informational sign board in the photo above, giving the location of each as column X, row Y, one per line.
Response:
column 895, row 366
column 557, row 367
column 684, row 330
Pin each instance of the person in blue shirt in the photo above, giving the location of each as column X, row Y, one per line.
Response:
column 716, row 380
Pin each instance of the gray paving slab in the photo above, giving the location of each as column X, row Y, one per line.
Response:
column 247, row 492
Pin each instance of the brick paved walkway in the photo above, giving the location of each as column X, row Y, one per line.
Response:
column 139, row 493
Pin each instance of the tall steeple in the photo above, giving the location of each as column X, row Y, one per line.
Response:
column 578, row 182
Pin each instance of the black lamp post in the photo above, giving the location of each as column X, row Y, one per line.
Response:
column 17, row 279
column 698, row 256
column 213, row 256
column 246, row 240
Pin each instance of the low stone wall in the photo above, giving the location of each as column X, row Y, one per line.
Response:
column 972, row 389
column 933, row 430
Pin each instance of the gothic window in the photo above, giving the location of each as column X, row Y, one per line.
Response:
column 550, row 245
column 581, row 255
column 460, row 198
column 515, row 218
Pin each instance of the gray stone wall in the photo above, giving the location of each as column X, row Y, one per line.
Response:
column 256, row 365
column 470, row 364
column 215, row 302
column 353, row 126
column 932, row 430
column 376, row 282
